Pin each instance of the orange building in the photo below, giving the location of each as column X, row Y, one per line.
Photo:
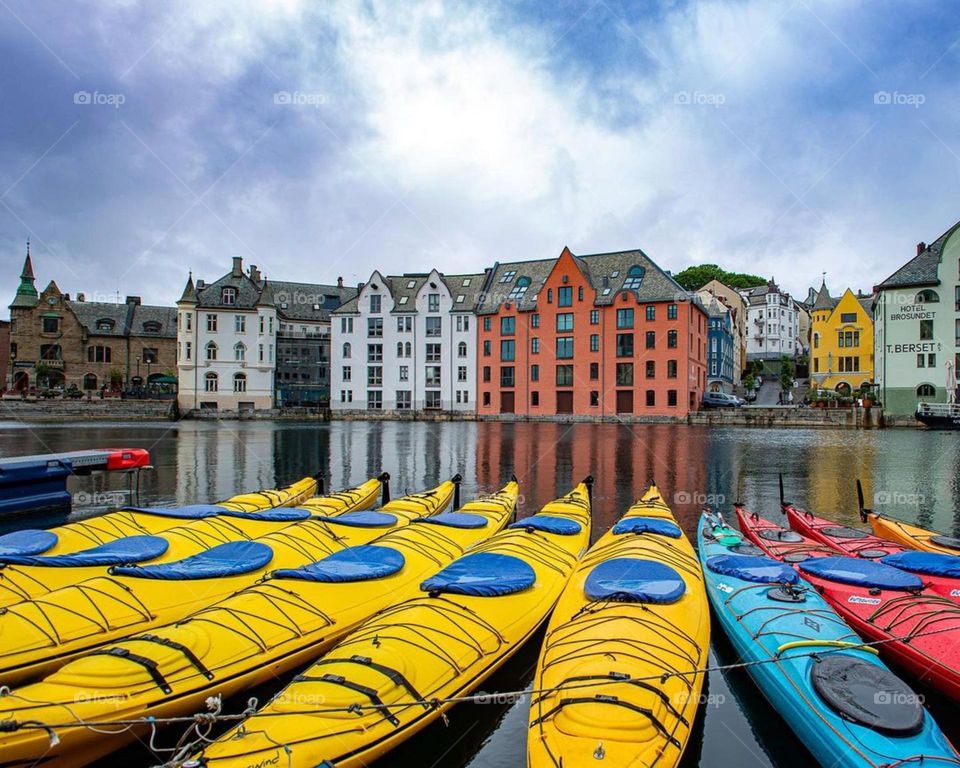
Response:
column 605, row 335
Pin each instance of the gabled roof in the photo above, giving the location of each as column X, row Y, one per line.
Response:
column 247, row 292
column 404, row 289
column 921, row 269
column 305, row 301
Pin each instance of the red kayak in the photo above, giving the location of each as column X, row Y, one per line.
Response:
column 841, row 538
column 778, row 542
column 911, row 625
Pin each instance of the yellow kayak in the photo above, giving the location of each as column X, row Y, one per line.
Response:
column 135, row 521
column 913, row 536
column 26, row 577
column 397, row 672
column 255, row 635
column 634, row 613
column 38, row 636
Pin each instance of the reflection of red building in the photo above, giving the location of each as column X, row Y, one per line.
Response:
column 603, row 335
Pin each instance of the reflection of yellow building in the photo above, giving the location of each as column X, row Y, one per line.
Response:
column 841, row 343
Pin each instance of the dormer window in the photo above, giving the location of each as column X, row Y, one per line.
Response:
column 105, row 324
column 228, row 296
column 634, row 278
column 151, row 326
column 519, row 289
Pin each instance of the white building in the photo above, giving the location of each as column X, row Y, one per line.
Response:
column 226, row 339
column 772, row 323
column 407, row 342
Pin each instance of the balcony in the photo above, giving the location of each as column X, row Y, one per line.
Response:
column 57, row 364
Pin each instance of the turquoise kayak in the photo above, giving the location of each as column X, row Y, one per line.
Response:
column 840, row 699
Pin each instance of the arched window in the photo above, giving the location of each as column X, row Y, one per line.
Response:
column 519, row 288
column 816, row 341
column 151, row 326
column 239, row 382
column 346, row 349
column 462, row 349
column 211, row 382
column 211, row 351
column 105, row 324
column 927, row 296
column 90, row 381
column 239, row 352
column 926, row 390
column 634, row 277
column 408, row 349
column 399, row 349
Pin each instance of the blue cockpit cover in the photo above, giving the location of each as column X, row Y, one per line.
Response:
column 860, row 573
column 27, row 542
column 279, row 515
column 364, row 519
column 648, row 525
column 189, row 512
column 360, row 563
column 484, row 574
column 927, row 563
column 455, row 520
column 633, row 580
column 760, row 570
column 228, row 559
column 549, row 524
column 129, row 549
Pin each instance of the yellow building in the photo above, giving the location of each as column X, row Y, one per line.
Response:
column 841, row 341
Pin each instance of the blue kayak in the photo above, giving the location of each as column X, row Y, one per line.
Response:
column 843, row 703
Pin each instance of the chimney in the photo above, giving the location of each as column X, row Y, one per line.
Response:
column 81, row 297
column 359, row 286
column 238, row 266
column 339, row 282
column 201, row 284
column 921, row 247
column 133, row 300
column 254, row 273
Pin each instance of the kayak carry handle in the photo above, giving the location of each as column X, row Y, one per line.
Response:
column 456, row 480
column 384, row 489
column 862, row 509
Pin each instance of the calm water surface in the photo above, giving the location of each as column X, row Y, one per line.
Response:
column 909, row 474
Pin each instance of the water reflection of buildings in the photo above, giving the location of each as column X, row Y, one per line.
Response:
column 215, row 461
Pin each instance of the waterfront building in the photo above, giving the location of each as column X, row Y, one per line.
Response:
column 733, row 301
column 58, row 343
column 772, row 323
column 721, row 344
column 841, row 351
column 604, row 335
column 917, row 327
column 407, row 343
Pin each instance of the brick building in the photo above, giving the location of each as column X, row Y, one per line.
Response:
column 57, row 342
column 599, row 335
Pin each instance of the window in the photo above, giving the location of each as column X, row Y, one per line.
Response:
column 508, row 326
column 211, row 383
column 594, row 398
column 594, row 342
column 239, row 323
column 374, row 375
column 433, row 302
column 188, row 351
column 228, row 296
column 462, row 349
column 508, row 350
column 105, row 325
column 565, row 296
column 260, row 352
column 848, row 317
column 927, row 297
column 51, row 352
column 239, row 352
column 624, row 318
column 346, row 349
column 671, row 339
column 90, row 381
column 565, row 322
column 375, row 398
column 624, row 345
column 433, row 327
column 212, row 323
column 432, row 400
column 624, row 374
column 651, row 340
column 672, row 398
column 594, row 371
column 399, row 349
column 486, row 373
column 634, row 278
column 594, row 317
column 403, row 373
column 188, row 317
column 463, row 322
column 549, row 295
column 347, row 373
column 564, row 375
column 346, row 325
column 926, row 329
column 671, row 313
column 534, row 399
column 535, row 320
column 433, row 353
column 404, row 324
column 432, row 375
column 461, row 373
column 926, row 390
column 956, row 298
column 535, row 346
column 507, row 376
column 816, row 341
column 651, row 312
column 486, row 323
column 671, row 369
column 508, row 275
column 651, row 369
column 374, row 353
column 407, row 349
column 519, row 289
column 404, row 399
column 211, row 351
column 239, row 382
column 375, row 303
column 534, row 372
column 565, row 348
column 375, row 327
column 932, row 360
column 486, row 347
column 651, row 398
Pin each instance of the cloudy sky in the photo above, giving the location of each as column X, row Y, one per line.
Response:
column 139, row 140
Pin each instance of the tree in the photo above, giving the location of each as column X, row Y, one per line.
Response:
column 694, row 278
column 786, row 373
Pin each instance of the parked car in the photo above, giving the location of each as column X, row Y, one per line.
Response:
column 720, row 400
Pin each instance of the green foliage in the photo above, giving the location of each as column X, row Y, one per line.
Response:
column 786, row 373
column 694, row 278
